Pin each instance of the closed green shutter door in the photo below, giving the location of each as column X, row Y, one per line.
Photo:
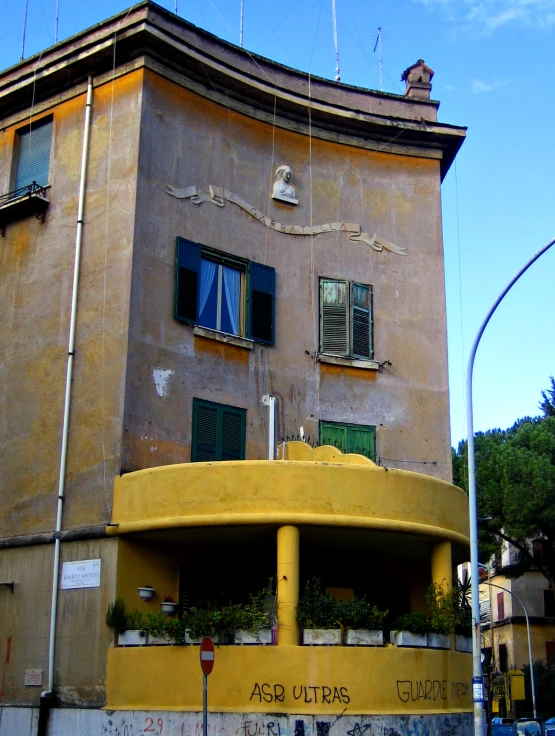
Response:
column 33, row 158
column 349, row 438
column 218, row 432
column 361, row 320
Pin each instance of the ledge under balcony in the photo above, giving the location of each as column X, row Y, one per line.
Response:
column 21, row 203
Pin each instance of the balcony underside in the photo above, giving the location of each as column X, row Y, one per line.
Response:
column 309, row 680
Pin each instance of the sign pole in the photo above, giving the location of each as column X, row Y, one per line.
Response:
column 204, row 704
column 206, row 665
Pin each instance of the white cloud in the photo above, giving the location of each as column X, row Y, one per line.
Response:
column 489, row 15
column 479, row 86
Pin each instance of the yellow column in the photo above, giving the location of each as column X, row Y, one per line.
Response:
column 288, row 585
column 442, row 566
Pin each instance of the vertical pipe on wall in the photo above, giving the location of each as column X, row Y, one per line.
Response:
column 270, row 401
column 67, row 401
column 288, row 585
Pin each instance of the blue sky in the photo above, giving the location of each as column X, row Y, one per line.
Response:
column 494, row 62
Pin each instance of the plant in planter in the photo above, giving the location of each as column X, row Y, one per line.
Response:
column 363, row 622
column 444, row 607
column 115, row 616
column 168, row 605
column 198, row 622
column 410, row 630
column 318, row 614
column 155, row 627
column 252, row 620
column 135, row 634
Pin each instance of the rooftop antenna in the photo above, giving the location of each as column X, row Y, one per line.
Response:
column 176, row 7
column 241, row 26
column 56, row 25
column 24, row 29
column 337, row 72
column 378, row 45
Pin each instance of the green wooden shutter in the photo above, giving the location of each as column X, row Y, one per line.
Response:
column 334, row 315
column 204, row 446
column 218, row 432
column 187, row 277
column 334, row 434
column 261, row 303
column 349, row 438
column 362, row 440
column 361, row 320
column 233, row 434
column 33, row 158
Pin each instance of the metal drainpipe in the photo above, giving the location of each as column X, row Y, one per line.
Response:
column 71, row 343
column 270, row 401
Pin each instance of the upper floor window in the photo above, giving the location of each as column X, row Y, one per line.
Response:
column 346, row 319
column 33, row 154
column 219, row 291
column 349, row 438
column 218, row 432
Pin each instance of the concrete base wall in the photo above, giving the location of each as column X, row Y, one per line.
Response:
column 76, row 722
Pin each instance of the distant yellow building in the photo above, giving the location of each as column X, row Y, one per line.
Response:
column 205, row 257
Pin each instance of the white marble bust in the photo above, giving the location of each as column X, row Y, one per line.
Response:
column 283, row 189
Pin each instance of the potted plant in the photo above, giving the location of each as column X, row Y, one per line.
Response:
column 410, row 630
column 252, row 620
column 463, row 625
column 443, row 615
column 115, row 618
column 198, row 623
column 363, row 622
column 146, row 592
column 318, row 614
column 168, row 605
column 156, row 629
column 135, row 635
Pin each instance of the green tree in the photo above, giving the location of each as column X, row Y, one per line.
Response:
column 547, row 405
column 515, row 483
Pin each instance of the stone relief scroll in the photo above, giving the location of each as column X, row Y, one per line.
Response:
column 218, row 196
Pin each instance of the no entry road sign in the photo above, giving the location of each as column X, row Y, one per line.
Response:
column 207, row 655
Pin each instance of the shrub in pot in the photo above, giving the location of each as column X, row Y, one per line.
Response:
column 251, row 621
column 363, row 622
column 444, row 612
column 410, row 630
column 318, row 614
column 199, row 622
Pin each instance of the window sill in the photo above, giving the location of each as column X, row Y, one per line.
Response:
column 365, row 365
column 207, row 332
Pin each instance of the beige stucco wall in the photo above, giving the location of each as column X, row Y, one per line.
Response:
column 82, row 635
column 36, row 263
column 188, row 140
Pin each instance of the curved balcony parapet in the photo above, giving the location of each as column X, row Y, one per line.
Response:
column 352, row 492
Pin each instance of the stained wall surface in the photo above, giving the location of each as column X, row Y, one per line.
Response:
column 187, row 140
column 36, row 263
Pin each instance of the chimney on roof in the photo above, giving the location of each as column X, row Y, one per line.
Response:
column 418, row 80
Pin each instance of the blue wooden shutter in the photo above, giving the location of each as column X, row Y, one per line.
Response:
column 361, row 321
column 334, row 297
column 33, row 158
column 261, row 303
column 187, row 275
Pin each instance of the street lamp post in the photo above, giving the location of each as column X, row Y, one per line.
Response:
column 477, row 690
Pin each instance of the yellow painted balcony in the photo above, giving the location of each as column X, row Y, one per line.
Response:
column 318, row 487
column 309, row 680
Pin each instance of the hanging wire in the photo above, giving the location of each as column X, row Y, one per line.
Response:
column 24, row 31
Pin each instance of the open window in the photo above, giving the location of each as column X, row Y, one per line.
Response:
column 346, row 324
column 224, row 293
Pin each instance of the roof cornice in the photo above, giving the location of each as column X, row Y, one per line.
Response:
column 234, row 77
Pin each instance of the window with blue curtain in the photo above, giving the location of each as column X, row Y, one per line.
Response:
column 33, row 154
column 219, row 291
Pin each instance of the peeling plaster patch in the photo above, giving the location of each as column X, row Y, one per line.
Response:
column 161, row 381
column 153, row 449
